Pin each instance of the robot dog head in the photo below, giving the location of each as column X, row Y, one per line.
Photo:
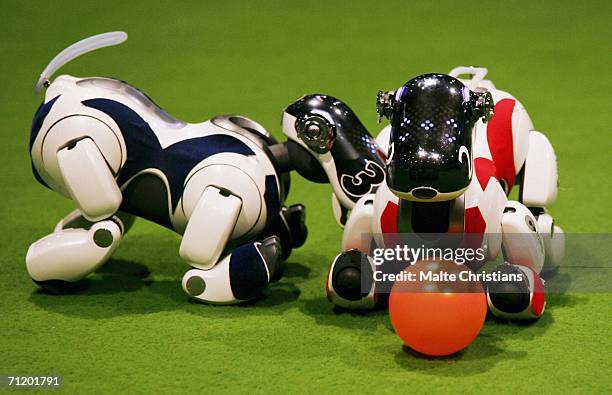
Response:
column 328, row 142
column 430, row 150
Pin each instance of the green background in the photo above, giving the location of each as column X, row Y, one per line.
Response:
column 135, row 331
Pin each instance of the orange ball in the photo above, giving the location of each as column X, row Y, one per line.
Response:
column 441, row 317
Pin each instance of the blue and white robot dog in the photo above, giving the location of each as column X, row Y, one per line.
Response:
column 220, row 183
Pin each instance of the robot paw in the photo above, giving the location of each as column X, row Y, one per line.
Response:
column 239, row 277
column 520, row 299
column 350, row 283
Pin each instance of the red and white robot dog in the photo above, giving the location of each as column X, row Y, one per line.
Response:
column 453, row 150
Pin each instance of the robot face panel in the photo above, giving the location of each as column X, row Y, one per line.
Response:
column 432, row 118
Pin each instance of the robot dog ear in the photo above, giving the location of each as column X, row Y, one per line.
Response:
column 77, row 49
column 483, row 105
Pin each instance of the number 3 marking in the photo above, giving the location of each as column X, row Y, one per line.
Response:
column 363, row 182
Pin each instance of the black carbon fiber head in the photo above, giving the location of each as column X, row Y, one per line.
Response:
column 327, row 125
column 431, row 138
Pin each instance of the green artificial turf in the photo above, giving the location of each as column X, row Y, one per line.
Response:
column 135, row 331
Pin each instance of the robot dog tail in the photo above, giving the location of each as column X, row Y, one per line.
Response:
column 77, row 49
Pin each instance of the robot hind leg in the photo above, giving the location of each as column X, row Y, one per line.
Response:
column 539, row 191
column 217, row 278
column 77, row 247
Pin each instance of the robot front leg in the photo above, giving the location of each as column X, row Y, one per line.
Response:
column 350, row 281
column 518, row 292
column 241, row 275
column 238, row 277
column 76, row 248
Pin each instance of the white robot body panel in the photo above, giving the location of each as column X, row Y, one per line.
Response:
column 540, row 179
column 89, row 181
column 215, row 215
